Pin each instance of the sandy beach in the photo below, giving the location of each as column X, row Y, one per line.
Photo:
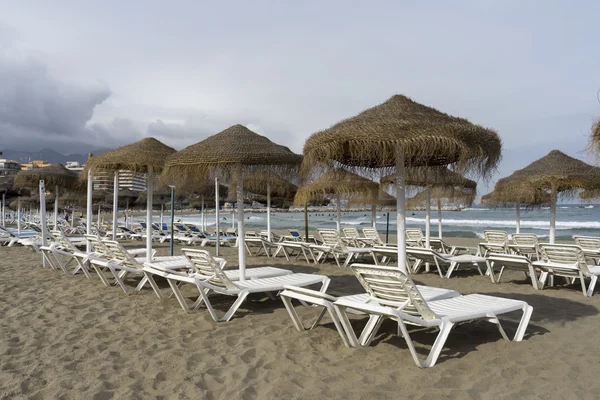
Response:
column 72, row 338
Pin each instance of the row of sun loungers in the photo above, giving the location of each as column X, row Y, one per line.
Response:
column 388, row 293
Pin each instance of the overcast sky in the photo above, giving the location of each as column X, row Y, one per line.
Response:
column 107, row 72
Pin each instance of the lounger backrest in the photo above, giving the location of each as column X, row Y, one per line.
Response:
column 231, row 232
column 121, row 255
column 496, row 237
column 391, row 287
column 331, row 238
column 587, row 242
column 351, row 232
column 193, row 228
column 567, row 254
column 207, row 267
column 525, row 239
column 97, row 245
column 371, row 233
column 414, row 234
column 63, row 242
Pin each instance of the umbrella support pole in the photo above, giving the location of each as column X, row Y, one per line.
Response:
column 56, row 208
column 127, row 213
column 401, row 207
column 217, row 206
column 305, row 223
column 553, row 196
column 518, row 210
column 115, row 206
column 3, row 209
column 439, row 210
column 240, row 210
column 203, row 216
column 339, row 214
column 162, row 214
column 19, row 215
column 172, row 220
column 387, row 228
column 374, row 216
column 88, row 211
column 43, row 219
column 428, row 219
column 150, row 188
column 269, row 211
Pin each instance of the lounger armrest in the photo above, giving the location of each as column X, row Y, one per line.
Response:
column 308, row 292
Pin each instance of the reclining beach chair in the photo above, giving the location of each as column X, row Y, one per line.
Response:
column 334, row 246
column 327, row 304
column 121, row 263
column 427, row 256
column 568, row 261
column 372, row 235
column 525, row 244
column 515, row 262
column 353, row 237
column 414, row 237
column 210, row 278
column 201, row 266
column 495, row 242
column 590, row 246
column 394, row 295
column 294, row 248
column 61, row 252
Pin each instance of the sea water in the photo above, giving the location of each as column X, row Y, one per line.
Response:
column 570, row 220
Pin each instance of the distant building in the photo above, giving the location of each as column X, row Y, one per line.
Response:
column 35, row 164
column 8, row 167
column 127, row 180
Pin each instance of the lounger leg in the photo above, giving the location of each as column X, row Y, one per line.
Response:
column 527, row 311
column 101, row 275
column 370, row 330
column 592, row 285
column 241, row 298
column 153, row 285
column 351, row 339
column 453, row 266
column 445, row 329
column 583, row 288
column 179, row 296
column 533, row 276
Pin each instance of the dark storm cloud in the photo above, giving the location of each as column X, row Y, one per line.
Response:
column 36, row 106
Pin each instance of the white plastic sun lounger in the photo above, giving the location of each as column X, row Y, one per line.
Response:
column 219, row 282
column 495, row 242
column 427, row 256
column 394, row 295
column 200, row 266
column 326, row 302
column 567, row 261
column 289, row 248
column 61, row 252
column 334, row 246
column 514, row 262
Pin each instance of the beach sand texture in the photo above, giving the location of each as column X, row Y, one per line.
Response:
column 69, row 337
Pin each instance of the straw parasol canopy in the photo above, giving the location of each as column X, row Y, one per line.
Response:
column 53, row 175
column 235, row 146
column 440, row 178
column 398, row 133
column 426, row 136
column 383, row 200
column 523, row 195
column 137, row 157
column 461, row 196
column 339, row 182
column 257, row 183
column 555, row 171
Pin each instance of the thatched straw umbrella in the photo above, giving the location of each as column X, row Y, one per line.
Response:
column 342, row 184
column 524, row 197
column 400, row 133
column 445, row 183
column 54, row 176
column 269, row 185
column 557, row 173
column 235, row 151
column 145, row 156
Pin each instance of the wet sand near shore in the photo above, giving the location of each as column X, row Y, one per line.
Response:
column 70, row 337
